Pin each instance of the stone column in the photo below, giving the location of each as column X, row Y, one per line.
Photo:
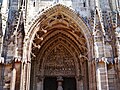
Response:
column 13, row 79
column 79, row 83
column 24, row 84
column 102, row 78
column 23, row 77
column 60, row 80
column 40, row 83
column 117, row 33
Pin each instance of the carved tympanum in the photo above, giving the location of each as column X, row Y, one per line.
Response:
column 59, row 62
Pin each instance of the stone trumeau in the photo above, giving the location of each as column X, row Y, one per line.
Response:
column 59, row 44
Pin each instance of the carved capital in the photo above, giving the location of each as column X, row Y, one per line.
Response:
column 39, row 78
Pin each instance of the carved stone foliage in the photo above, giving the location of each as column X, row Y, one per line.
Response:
column 60, row 20
column 59, row 62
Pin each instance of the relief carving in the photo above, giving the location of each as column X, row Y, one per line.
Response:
column 59, row 62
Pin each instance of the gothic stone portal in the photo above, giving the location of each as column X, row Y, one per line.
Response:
column 59, row 51
column 60, row 55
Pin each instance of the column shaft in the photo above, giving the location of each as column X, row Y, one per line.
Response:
column 102, row 78
column 13, row 79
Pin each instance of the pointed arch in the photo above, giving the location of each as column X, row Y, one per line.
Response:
column 66, row 12
column 56, row 22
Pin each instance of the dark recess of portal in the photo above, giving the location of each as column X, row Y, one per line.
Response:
column 50, row 83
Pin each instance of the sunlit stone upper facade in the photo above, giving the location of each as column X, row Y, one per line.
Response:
column 60, row 39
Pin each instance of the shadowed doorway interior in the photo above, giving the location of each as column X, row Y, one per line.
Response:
column 50, row 83
column 68, row 83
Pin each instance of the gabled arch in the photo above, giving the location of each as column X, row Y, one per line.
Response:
column 63, row 19
column 80, row 26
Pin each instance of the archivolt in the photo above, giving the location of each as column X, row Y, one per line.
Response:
column 54, row 41
column 42, row 30
column 56, row 18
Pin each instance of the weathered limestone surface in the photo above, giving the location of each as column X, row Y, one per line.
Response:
column 75, row 40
